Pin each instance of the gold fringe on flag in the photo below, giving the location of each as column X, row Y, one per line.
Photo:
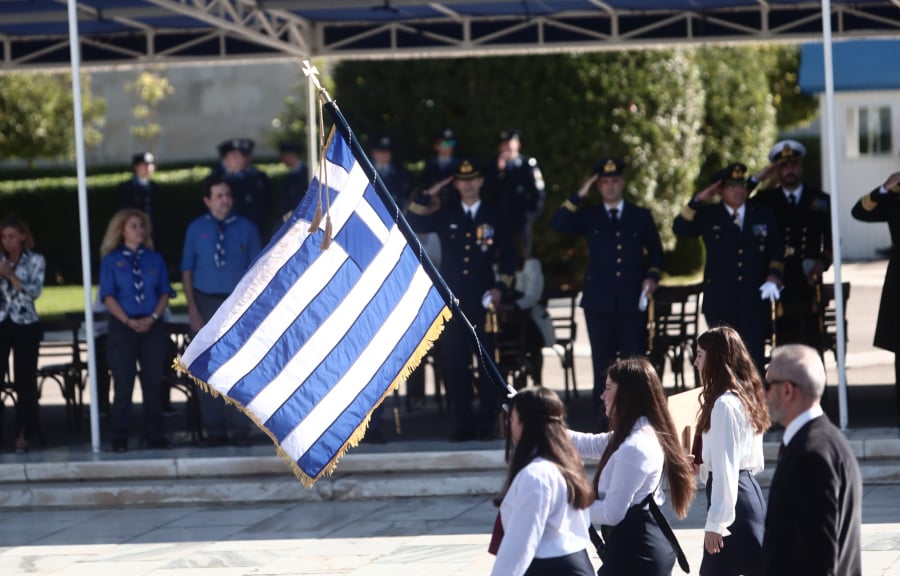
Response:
column 421, row 350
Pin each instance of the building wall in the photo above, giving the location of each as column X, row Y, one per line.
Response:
column 211, row 102
column 859, row 175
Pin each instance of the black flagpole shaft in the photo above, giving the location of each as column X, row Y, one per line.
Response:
column 487, row 363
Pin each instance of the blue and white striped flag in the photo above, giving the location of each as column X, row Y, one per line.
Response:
column 312, row 339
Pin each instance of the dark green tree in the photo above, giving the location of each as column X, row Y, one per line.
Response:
column 782, row 66
column 36, row 116
column 571, row 109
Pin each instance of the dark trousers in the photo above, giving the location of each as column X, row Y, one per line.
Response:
column 612, row 334
column 742, row 551
column 218, row 417
column 124, row 349
column 24, row 340
column 457, row 348
column 575, row 564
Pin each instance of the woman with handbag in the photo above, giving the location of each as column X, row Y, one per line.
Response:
column 641, row 449
column 543, row 505
column 733, row 417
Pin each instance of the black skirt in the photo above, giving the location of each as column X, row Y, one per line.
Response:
column 742, row 548
column 575, row 564
column 637, row 547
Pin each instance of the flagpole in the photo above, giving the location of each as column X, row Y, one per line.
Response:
column 486, row 362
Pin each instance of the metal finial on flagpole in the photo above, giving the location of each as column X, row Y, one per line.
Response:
column 311, row 72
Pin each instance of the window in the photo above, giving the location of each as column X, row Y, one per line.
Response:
column 869, row 131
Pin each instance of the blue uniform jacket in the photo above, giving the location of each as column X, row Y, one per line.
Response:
column 737, row 261
column 468, row 251
column 619, row 262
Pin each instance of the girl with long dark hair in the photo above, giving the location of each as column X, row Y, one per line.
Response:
column 641, row 449
column 733, row 417
column 544, row 499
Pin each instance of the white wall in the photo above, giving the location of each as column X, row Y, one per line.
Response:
column 212, row 102
column 858, row 176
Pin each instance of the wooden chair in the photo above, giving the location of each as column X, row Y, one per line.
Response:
column 828, row 317
column 61, row 345
column 674, row 317
column 561, row 305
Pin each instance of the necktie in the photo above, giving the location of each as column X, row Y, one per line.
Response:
column 470, row 218
column 220, row 247
column 737, row 219
column 792, row 200
column 614, row 218
column 137, row 277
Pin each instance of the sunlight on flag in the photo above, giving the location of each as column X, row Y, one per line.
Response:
column 312, row 340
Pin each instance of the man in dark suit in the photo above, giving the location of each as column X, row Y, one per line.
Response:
column 473, row 237
column 815, row 499
column 744, row 257
column 619, row 235
column 803, row 215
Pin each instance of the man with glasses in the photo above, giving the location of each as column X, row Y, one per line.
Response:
column 815, row 499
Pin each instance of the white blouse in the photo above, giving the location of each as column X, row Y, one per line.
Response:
column 729, row 446
column 632, row 472
column 538, row 521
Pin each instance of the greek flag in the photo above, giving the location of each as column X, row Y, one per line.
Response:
column 313, row 339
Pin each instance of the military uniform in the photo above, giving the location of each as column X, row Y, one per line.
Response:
column 518, row 190
column 623, row 253
column 294, row 184
column 738, row 261
column 885, row 207
column 470, row 247
column 250, row 189
column 141, row 194
column 804, row 219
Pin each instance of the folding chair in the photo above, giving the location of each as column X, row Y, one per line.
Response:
column 674, row 317
column 561, row 304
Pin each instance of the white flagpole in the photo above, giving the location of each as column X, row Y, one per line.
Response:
column 831, row 150
column 75, row 55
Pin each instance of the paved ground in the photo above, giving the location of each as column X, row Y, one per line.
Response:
column 401, row 537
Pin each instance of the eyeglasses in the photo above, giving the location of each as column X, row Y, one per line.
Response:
column 767, row 384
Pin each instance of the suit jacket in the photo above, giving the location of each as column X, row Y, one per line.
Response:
column 815, row 506
column 737, row 261
column 620, row 260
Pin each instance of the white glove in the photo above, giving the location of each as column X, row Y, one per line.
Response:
column 769, row 291
column 486, row 300
column 643, row 302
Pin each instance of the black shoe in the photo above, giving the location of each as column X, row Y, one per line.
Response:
column 160, row 442
column 460, row 436
column 214, row 441
column 120, row 446
column 241, row 439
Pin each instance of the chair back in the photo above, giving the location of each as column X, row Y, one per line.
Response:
column 828, row 318
column 561, row 306
column 674, row 320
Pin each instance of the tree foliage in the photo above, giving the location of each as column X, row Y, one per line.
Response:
column 151, row 88
column 782, row 66
column 36, row 116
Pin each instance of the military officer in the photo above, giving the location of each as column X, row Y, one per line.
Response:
column 251, row 192
column 295, row 182
column 803, row 215
column 883, row 205
column 392, row 174
column 744, row 257
column 473, row 237
column 619, row 234
column 141, row 192
column 517, row 185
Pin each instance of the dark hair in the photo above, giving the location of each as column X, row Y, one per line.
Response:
column 211, row 181
column 640, row 394
column 545, row 434
column 728, row 367
column 14, row 221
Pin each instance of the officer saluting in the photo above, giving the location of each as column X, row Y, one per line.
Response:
column 619, row 234
column 803, row 215
column 473, row 237
column 744, row 257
